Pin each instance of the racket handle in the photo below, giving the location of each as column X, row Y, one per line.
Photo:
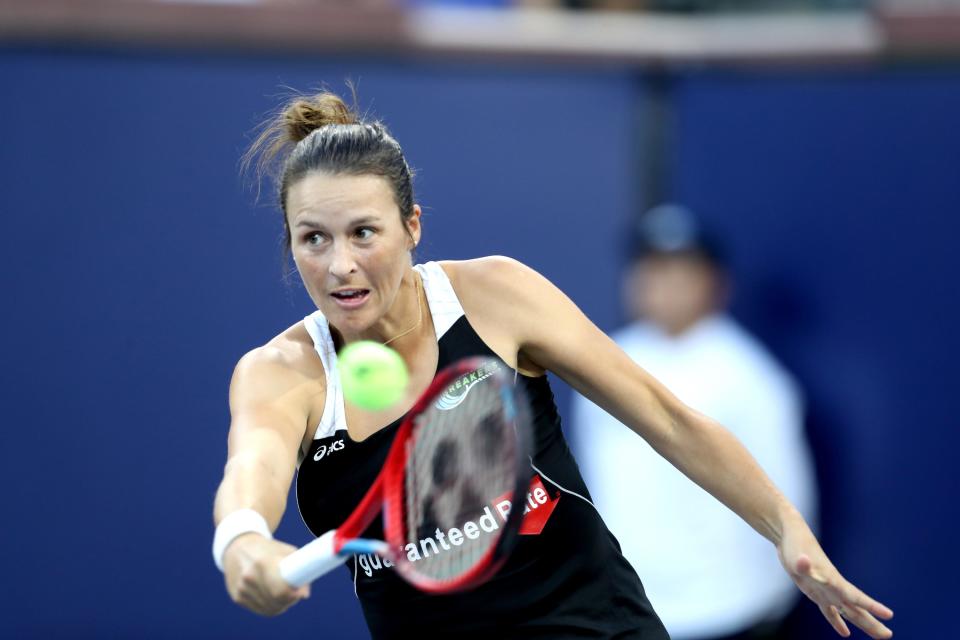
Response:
column 311, row 561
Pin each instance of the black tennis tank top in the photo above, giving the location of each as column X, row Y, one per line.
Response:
column 566, row 577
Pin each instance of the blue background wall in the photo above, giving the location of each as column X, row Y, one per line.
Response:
column 136, row 271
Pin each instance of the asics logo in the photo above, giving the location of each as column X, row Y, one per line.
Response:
column 322, row 450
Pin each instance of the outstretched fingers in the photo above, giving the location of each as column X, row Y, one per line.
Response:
column 863, row 611
column 841, row 602
column 862, row 600
column 865, row 620
column 832, row 614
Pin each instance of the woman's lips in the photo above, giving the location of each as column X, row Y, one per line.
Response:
column 350, row 298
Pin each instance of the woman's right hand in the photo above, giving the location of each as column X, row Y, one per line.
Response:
column 251, row 568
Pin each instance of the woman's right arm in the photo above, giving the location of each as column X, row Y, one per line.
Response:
column 269, row 407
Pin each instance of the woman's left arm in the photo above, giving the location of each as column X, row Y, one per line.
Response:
column 553, row 333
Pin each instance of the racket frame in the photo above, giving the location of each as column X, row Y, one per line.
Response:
column 331, row 549
column 394, row 482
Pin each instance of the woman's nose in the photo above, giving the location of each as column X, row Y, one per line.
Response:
column 344, row 261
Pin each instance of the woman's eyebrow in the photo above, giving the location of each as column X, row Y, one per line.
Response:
column 306, row 222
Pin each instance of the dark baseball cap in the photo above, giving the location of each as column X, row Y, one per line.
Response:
column 672, row 228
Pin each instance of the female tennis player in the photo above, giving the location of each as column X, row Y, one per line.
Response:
column 345, row 191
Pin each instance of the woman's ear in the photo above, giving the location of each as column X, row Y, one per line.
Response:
column 413, row 227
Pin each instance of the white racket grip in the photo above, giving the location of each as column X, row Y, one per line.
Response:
column 311, row 561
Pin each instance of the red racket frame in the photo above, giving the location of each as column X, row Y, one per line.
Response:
column 387, row 494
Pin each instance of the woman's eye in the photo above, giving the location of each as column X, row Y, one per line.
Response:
column 314, row 239
column 364, row 233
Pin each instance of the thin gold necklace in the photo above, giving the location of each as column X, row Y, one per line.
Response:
column 419, row 312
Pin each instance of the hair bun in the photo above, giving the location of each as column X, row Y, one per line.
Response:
column 303, row 116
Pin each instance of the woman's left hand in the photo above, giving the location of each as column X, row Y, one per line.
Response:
column 839, row 601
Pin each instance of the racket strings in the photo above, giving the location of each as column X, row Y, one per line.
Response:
column 461, row 467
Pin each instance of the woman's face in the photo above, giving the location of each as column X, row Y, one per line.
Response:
column 350, row 245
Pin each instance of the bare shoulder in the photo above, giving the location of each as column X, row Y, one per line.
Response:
column 500, row 284
column 496, row 277
column 287, row 364
column 504, row 300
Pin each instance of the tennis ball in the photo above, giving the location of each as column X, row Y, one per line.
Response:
column 373, row 376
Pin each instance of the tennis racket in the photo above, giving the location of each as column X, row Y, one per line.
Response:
column 457, row 464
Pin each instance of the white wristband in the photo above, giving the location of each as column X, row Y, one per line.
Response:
column 236, row 524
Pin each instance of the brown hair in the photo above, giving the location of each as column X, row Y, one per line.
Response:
column 321, row 133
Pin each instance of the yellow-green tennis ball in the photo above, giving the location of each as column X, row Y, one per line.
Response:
column 373, row 376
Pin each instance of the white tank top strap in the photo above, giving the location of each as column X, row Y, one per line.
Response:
column 444, row 307
column 333, row 418
column 441, row 298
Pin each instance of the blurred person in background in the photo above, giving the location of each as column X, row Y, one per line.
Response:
column 706, row 572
